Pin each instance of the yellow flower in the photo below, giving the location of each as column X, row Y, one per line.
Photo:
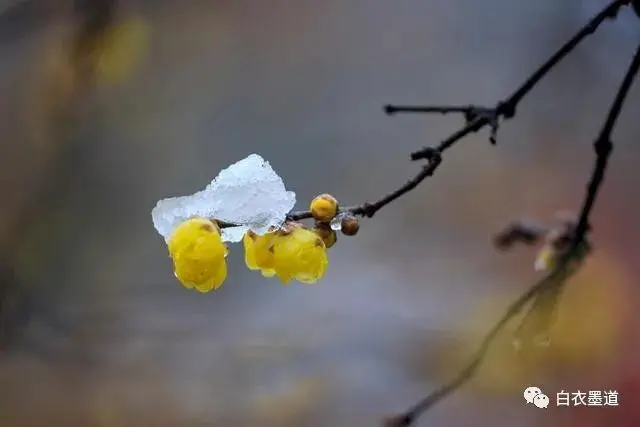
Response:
column 299, row 254
column 293, row 253
column 120, row 50
column 258, row 253
column 198, row 254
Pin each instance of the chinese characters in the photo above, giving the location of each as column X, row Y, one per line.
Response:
column 588, row 398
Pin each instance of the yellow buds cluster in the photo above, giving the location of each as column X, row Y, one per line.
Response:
column 325, row 209
column 291, row 251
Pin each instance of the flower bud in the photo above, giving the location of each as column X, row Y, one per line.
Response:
column 324, row 231
column 324, row 207
column 350, row 225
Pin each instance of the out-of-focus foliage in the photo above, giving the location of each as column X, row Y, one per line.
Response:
column 120, row 51
column 290, row 405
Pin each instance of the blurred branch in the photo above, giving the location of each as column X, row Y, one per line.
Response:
column 17, row 303
column 519, row 232
column 548, row 288
column 94, row 17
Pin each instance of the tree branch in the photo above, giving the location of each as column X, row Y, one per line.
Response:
column 545, row 292
column 519, row 232
column 507, row 108
column 476, row 119
column 555, row 280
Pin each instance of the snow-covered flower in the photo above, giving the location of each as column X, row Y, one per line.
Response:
column 246, row 200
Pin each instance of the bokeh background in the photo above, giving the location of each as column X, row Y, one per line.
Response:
column 95, row 330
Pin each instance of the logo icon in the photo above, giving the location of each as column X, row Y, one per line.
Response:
column 536, row 396
column 541, row 401
column 530, row 393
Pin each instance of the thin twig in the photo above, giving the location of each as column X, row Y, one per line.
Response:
column 443, row 109
column 519, row 232
column 543, row 307
column 507, row 108
column 557, row 277
column 535, row 326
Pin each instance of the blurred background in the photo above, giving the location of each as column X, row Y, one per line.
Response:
column 96, row 331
